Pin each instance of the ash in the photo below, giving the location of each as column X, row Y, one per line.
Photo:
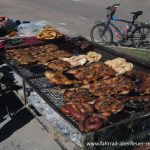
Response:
column 54, row 119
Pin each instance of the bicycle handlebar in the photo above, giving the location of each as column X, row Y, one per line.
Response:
column 112, row 6
column 111, row 10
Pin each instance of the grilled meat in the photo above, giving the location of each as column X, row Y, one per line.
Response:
column 76, row 60
column 112, row 86
column 58, row 78
column 93, row 72
column 45, row 58
column 108, row 105
column 145, row 86
column 25, row 60
column 93, row 57
column 142, row 80
column 9, row 54
column 137, row 75
column 58, row 65
column 62, row 54
column 33, row 54
column 50, row 56
column 80, row 95
column 120, row 65
column 80, row 60
column 76, row 109
column 48, row 48
column 40, row 54
column 91, row 122
column 141, row 98
column 49, row 33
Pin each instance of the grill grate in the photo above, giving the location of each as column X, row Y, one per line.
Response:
column 27, row 71
column 53, row 95
column 49, row 90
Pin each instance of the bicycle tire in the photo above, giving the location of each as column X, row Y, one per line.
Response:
column 101, row 29
column 139, row 41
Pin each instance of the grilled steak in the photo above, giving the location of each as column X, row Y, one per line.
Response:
column 40, row 54
column 142, row 79
column 108, row 105
column 58, row 78
column 79, row 94
column 62, row 54
column 58, row 65
column 112, row 86
column 93, row 72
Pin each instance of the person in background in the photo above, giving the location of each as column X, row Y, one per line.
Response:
column 8, row 26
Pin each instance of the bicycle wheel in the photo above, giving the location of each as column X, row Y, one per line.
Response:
column 141, row 37
column 101, row 34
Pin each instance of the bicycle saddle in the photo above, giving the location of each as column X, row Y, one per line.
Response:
column 137, row 12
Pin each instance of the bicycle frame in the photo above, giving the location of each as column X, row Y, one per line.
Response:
column 123, row 36
column 145, row 25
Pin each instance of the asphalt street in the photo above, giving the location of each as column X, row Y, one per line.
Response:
column 22, row 132
column 76, row 17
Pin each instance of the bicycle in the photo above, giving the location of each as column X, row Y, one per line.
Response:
column 135, row 32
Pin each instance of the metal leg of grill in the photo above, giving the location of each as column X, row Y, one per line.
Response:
column 24, row 92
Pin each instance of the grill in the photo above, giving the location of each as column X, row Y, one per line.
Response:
column 27, row 71
column 53, row 96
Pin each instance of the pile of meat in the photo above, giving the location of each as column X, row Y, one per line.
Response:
column 91, row 108
column 82, row 75
column 51, row 56
column 93, row 90
column 92, row 103
column 80, row 60
column 101, row 93
column 37, row 54
column 120, row 65
column 49, row 33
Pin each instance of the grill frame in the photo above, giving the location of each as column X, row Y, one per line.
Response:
column 107, row 53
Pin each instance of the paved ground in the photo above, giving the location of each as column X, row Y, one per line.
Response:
column 75, row 17
column 22, row 132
